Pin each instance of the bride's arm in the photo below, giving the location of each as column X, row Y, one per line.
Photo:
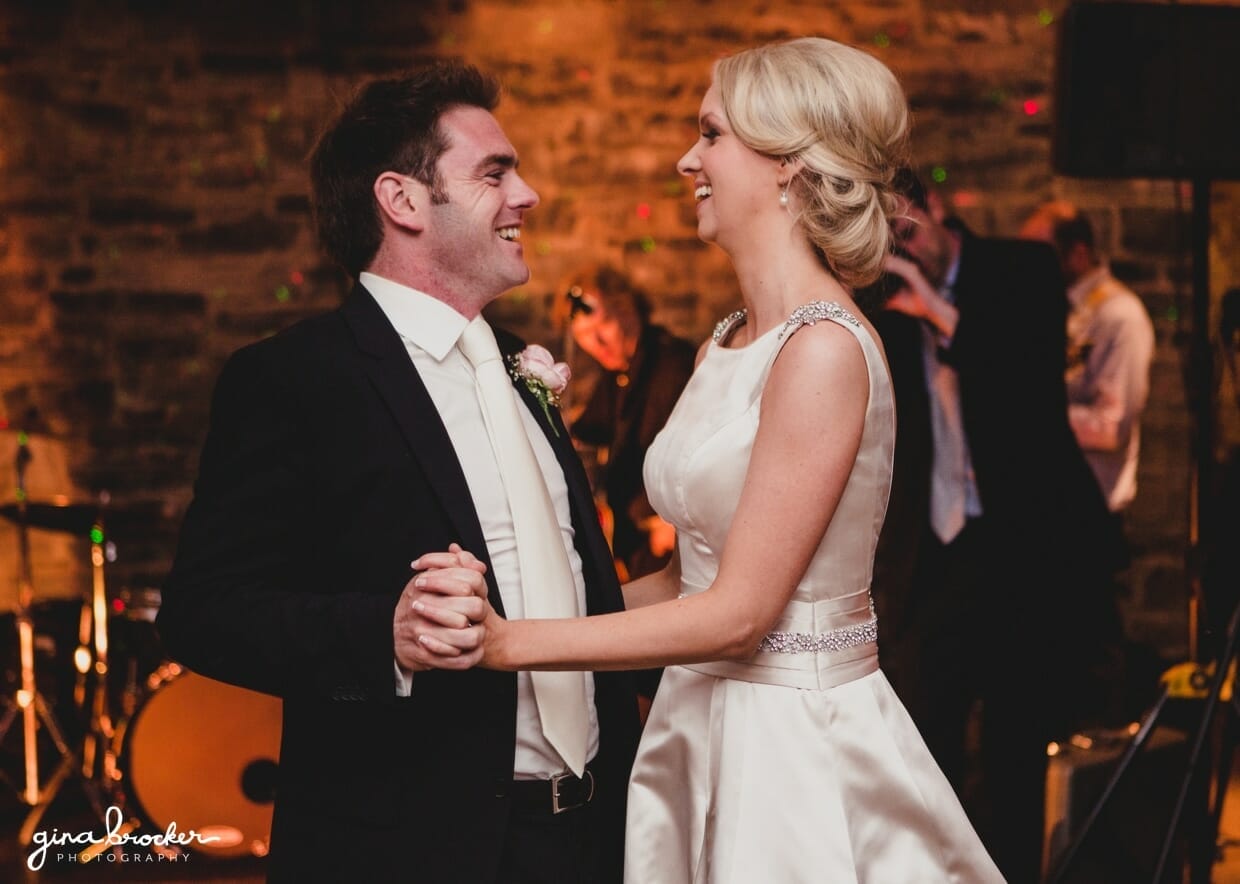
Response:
column 810, row 427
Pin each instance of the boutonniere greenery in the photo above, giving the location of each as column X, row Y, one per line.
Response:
column 542, row 375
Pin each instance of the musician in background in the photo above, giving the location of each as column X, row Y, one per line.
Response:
column 644, row 367
column 1110, row 348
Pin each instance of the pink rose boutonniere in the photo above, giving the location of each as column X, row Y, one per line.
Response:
column 542, row 375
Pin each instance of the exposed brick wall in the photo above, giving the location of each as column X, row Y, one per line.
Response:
column 154, row 214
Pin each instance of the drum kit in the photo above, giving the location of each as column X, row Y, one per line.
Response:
column 166, row 747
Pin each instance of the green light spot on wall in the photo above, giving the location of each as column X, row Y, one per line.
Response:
column 543, row 247
column 674, row 188
column 96, row 535
column 1173, row 313
column 448, row 39
column 648, row 244
column 262, row 161
column 938, row 174
column 283, row 294
column 274, row 114
column 23, row 438
column 1045, row 17
column 881, row 40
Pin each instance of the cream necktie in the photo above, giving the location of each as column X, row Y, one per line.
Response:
column 949, row 471
column 546, row 577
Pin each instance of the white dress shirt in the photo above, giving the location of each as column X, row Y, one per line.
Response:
column 1110, row 347
column 429, row 329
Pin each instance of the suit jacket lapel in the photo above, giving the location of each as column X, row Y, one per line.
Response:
column 401, row 388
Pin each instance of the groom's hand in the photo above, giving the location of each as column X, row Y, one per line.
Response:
column 438, row 619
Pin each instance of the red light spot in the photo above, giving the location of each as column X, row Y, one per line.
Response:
column 643, row 210
column 1030, row 107
column 966, row 199
column 296, row 277
column 118, row 605
column 583, row 74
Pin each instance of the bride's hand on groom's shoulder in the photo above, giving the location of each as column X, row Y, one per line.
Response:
column 439, row 619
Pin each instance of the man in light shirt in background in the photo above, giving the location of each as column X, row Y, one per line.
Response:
column 1110, row 347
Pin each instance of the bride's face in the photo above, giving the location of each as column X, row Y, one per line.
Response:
column 734, row 187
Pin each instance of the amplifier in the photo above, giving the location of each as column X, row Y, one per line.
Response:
column 1128, row 835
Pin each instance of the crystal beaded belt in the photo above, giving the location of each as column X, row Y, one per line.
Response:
column 840, row 639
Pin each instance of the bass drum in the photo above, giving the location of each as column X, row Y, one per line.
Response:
column 203, row 755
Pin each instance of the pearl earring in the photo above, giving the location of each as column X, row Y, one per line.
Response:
column 783, row 198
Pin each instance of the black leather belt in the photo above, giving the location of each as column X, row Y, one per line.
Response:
column 561, row 793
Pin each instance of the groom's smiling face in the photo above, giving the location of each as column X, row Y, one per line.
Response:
column 474, row 236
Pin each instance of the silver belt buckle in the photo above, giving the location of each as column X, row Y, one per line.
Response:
column 556, row 806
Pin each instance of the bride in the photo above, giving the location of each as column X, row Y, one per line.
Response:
column 776, row 750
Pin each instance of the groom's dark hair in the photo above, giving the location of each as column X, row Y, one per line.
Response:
column 908, row 184
column 388, row 125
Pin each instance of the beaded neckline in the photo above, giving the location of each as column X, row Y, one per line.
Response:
column 730, row 322
column 815, row 311
column 806, row 314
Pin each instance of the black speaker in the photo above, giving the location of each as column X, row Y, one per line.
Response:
column 1148, row 91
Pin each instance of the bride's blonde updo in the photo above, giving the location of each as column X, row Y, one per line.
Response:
column 842, row 113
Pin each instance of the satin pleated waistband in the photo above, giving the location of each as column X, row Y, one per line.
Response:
column 850, row 615
column 810, row 671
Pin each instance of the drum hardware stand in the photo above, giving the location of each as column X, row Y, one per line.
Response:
column 99, row 772
column 29, row 703
column 99, row 730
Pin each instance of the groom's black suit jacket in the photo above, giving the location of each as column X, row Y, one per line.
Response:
column 325, row 472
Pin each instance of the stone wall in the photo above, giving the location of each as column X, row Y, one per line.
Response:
column 154, row 212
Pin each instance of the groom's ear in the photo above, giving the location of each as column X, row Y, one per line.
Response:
column 402, row 200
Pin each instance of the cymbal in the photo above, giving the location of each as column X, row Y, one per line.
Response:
column 74, row 518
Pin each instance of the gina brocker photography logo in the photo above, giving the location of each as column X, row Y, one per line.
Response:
column 77, row 846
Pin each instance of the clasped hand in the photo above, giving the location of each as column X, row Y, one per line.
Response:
column 441, row 619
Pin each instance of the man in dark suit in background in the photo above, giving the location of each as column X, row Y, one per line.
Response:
column 996, row 535
column 343, row 449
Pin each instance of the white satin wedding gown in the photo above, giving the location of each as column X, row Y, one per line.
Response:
column 800, row 764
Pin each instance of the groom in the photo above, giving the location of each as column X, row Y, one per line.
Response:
column 344, row 448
